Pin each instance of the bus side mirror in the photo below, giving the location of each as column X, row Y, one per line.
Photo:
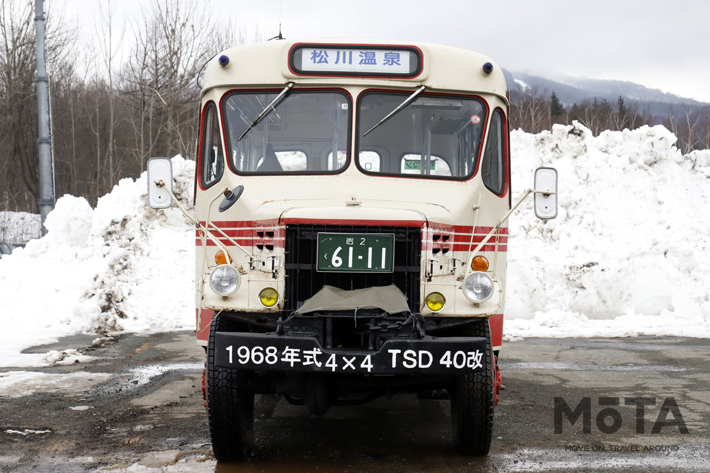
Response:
column 160, row 169
column 546, row 204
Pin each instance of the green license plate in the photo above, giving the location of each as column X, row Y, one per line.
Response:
column 355, row 252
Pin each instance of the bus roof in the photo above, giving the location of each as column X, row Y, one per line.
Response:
column 269, row 63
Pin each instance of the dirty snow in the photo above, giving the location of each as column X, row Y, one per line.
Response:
column 18, row 227
column 167, row 462
column 626, row 256
column 120, row 266
column 26, row 383
column 142, row 375
column 64, row 357
column 26, row 432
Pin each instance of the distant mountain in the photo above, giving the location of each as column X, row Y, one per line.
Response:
column 571, row 90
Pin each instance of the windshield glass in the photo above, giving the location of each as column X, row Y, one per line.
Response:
column 305, row 133
column 433, row 136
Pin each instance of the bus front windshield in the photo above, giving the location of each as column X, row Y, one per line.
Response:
column 306, row 132
column 432, row 137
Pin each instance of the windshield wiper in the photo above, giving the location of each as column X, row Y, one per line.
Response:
column 401, row 106
column 267, row 109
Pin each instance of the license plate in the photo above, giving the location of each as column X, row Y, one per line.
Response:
column 355, row 252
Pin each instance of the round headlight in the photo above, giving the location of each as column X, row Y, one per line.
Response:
column 269, row 297
column 478, row 287
column 435, row 301
column 224, row 280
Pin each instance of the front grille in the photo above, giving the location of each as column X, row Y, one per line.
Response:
column 303, row 281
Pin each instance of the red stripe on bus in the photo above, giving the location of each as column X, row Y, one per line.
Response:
column 466, row 248
column 244, row 243
column 484, row 230
column 230, row 223
column 232, row 233
column 479, row 238
column 488, row 247
column 377, row 223
column 432, row 226
column 502, row 248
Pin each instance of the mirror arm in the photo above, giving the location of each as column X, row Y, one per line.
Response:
column 217, row 242
column 497, row 227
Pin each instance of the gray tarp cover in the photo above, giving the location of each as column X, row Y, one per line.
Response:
column 388, row 298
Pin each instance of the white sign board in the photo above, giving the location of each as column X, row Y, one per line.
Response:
column 360, row 61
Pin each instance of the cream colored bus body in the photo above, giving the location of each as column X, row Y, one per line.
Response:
column 454, row 214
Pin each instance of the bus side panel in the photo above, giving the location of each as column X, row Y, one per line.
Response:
column 203, row 324
column 496, row 322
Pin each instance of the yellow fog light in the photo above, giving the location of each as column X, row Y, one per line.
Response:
column 479, row 263
column 222, row 258
column 435, row 301
column 269, row 297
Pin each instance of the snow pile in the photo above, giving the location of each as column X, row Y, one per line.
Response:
column 121, row 266
column 26, row 383
column 18, row 227
column 631, row 240
column 627, row 254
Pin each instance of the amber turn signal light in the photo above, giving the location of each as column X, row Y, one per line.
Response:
column 479, row 263
column 222, row 258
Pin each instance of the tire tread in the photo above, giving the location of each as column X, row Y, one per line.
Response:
column 472, row 401
column 230, row 406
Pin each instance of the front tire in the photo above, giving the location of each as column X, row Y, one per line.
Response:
column 230, row 403
column 472, row 400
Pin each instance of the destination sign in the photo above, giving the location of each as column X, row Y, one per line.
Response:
column 332, row 60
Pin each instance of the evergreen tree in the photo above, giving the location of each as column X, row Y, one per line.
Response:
column 556, row 107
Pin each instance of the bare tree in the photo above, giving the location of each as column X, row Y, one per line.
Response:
column 174, row 41
column 182, row 29
column 531, row 112
column 140, row 94
column 113, row 115
column 686, row 129
column 105, row 33
column 18, row 103
column 17, row 66
column 691, row 126
column 705, row 140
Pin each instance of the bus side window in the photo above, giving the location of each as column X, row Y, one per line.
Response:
column 212, row 155
column 493, row 165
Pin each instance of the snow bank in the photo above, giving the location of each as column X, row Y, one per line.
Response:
column 627, row 254
column 18, row 227
column 120, row 266
column 630, row 243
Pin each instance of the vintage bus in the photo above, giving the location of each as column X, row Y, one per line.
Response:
column 351, row 201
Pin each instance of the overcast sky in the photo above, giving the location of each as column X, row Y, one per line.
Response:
column 662, row 44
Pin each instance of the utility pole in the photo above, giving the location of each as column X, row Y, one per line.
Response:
column 46, row 180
